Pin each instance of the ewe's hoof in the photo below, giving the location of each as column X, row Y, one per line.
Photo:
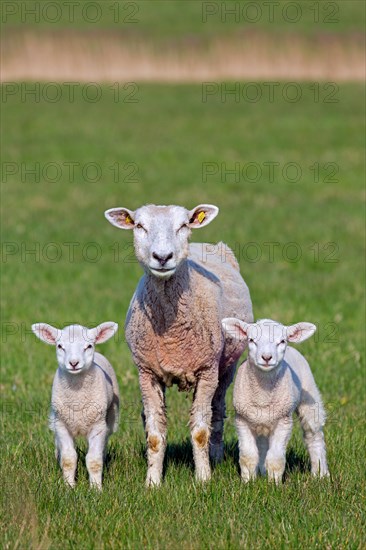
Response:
column 203, row 475
column 153, row 480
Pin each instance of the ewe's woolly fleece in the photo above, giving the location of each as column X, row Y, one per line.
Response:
column 173, row 327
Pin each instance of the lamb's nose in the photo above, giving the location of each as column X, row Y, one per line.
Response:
column 162, row 259
column 74, row 364
column 266, row 357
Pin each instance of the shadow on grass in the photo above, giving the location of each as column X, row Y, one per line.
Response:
column 296, row 462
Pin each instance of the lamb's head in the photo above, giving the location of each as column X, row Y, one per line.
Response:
column 161, row 233
column 74, row 343
column 267, row 339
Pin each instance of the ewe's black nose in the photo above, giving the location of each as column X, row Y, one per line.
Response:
column 74, row 364
column 162, row 259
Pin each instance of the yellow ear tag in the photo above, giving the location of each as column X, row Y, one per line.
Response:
column 201, row 216
column 128, row 219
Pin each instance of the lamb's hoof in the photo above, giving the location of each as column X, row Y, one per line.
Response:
column 70, row 483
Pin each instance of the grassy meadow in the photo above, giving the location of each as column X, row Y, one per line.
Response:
column 300, row 246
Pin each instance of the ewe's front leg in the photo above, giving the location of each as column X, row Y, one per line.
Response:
column 66, row 452
column 97, row 440
column 218, row 415
column 276, row 456
column 154, row 417
column 200, row 423
column 248, row 451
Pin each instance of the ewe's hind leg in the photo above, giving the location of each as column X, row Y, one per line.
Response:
column 218, row 415
column 200, row 422
column 262, row 444
column 66, row 452
column 97, row 440
column 154, row 420
column 312, row 418
column 248, row 450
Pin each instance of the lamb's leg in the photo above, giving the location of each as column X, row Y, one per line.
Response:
column 154, row 420
column 66, row 452
column 218, row 415
column 276, row 456
column 200, row 423
column 97, row 440
column 312, row 419
column 248, row 450
column 263, row 444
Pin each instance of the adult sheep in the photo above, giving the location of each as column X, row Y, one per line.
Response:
column 173, row 325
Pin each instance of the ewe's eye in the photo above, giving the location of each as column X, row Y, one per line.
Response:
column 184, row 226
column 139, row 226
column 283, row 342
column 250, row 340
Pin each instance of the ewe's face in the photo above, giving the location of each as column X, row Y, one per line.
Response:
column 161, row 238
column 161, row 233
column 266, row 344
column 74, row 349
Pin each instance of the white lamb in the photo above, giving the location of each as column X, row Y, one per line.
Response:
column 173, row 325
column 273, row 383
column 85, row 395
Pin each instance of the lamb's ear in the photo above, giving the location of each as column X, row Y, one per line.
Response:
column 235, row 328
column 102, row 332
column 202, row 215
column 300, row 332
column 121, row 217
column 46, row 333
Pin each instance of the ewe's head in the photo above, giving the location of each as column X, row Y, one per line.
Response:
column 267, row 339
column 74, row 344
column 161, row 233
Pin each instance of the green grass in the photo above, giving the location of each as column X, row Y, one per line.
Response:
column 169, row 133
column 162, row 20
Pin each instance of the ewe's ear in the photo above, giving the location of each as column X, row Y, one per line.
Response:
column 300, row 332
column 121, row 217
column 102, row 332
column 46, row 333
column 202, row 215
column 235, row 328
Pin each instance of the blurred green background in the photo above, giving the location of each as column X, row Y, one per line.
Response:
column 299, row 238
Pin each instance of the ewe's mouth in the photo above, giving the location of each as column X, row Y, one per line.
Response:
column 162, row 271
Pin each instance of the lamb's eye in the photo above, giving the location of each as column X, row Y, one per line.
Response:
column 283, row 342
column 59, row 346
column 184, row 226
column 139, row 226
column 250, row 340
column 89, row 346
